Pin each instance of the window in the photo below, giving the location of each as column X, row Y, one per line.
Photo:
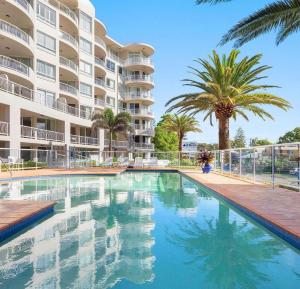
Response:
column 110, row 83
column 85, row 22
column 46, row 13
column 46, row 41
column 111, row 65
column 85, row 45
column 46, row 97
column 85, row 67
column 85, row 89
column 46, row 69
column 120, row 70
column 110, row 101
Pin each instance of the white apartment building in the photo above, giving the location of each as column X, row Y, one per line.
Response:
column 58, row 66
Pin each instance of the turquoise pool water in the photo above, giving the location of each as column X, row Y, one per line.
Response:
column 141, row 231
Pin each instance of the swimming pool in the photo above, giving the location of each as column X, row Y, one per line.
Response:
column 141, row 231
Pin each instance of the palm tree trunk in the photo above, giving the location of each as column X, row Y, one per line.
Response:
column 180, row 137
column 224, row 141
column 110, row 142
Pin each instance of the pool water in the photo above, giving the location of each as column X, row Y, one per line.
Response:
column 141, row 231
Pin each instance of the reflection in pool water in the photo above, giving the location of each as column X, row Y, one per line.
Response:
column 143, row 231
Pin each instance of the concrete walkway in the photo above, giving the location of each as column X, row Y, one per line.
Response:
column 280, row 207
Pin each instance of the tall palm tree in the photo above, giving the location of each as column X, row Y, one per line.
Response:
column 228, row 89
column 119, row 123
column 181, row 124
column 281, row 15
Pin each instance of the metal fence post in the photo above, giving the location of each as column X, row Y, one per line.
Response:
column 273, row 167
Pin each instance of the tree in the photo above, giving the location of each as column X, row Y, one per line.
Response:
column 165, row 141
column 239, row 139
column 259, row 142
column 207, row 147
column 119, row 123
column 291, row 136
column 181, row 124
column 228, row 90
column 282, row 16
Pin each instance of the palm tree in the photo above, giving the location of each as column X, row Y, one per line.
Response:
column 181, row 124
column 119, row 123
column 228, row 89
column 281, row 15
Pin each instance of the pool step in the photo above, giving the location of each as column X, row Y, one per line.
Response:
column 16, row 216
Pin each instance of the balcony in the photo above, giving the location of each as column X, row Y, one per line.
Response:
column 100, row 102
column 41, row 134
column 143, row 130
column 84, row 140
column 144, row 146
column 100, row 86
column 20, row 38
column 24, row 7
column 33, row 96
column 142, row 97
column 100, row 43
column 15, row 67
column 117, row 144
column 139, row 62
column 100, row 66
column 68, row 89
column 141, row 113
column 68, row 63
column 4, row 128
column 69, row 39
column 145, row 81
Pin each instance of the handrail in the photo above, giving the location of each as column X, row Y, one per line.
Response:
column 16, row 31
column 34, row 96
column 99, row 61
column 16, row 65
column 68, row 37
column 68, row 88
column 130, row 96
column 100, row 82
column 23, row 3
column 41, row 134
column 68, row 62
column 143, row 78
column 84, row 140
column 139, row 60
column 62, row 7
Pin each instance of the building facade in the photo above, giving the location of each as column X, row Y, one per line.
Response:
column 57, row 67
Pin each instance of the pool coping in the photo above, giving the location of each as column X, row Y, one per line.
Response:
column 284, row 233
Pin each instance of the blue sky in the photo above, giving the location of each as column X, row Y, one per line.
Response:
column 182, row 32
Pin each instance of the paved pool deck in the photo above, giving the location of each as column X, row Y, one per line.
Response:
column 279, row 207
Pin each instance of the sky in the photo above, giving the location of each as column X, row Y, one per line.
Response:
column 181, row 32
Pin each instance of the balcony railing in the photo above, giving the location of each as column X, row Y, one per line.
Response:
column 84, row 140
column 14, row 30
column 68, row 63
column 24, row 4
column 99, row 41
column 65, row 9
column 68, row 88
column 116, row 144
column 100, row 62
column 4, row 128
column 100, row 82
column 132, row 96
column 143, row 130
column 41, row 134
column 143, row 146
column 34, row 96
column 139, row 61
column 69, row 38
column 100, row 102
column 141, row 112
column 13, row 64
column 139, row 78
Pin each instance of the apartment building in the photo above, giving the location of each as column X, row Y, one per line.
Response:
column 57, row 66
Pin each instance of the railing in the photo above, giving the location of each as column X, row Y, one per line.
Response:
column 41, row 134
column 31, row 95
column 139, row 61
column 68, row 63
column 4, row 128
column 132, row 96
column 143, row 130
column 144, row 146
column 100, row 102
column 13, row 64
column 68, row 88
column 84, row 140
column 117, row 144
column 100, row 62
column 99, row 41
column 100, row 82
column 69, row 38
column 141, row 112
column 14, row 30
column 23, row 3
column 139, row 78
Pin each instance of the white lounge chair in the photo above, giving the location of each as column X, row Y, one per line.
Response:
column 123, row 161
column 108, row 162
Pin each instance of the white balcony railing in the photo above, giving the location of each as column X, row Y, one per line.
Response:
column 100, row 62
column 100, row 102
column 116, row 144
column 41, row 134
column 68, row 88
column 24, row 4
column 4, row 128
column 141, row 112
column 63, row 8
column 68, row 63
column 14, row 30
column 141, row 96
column 100, row 42
column 34, row 96
column 145, row 146
column 15, row 65
column 69, row 38
column 84, row 140
column 139, row 61
column 100, row 82
column 139, row 78
column 143, row 130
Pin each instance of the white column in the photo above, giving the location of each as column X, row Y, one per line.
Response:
column 15, row 130
column 67, row 142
